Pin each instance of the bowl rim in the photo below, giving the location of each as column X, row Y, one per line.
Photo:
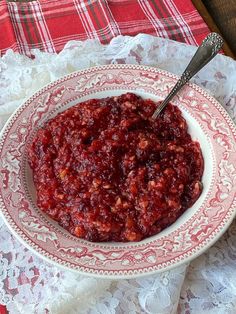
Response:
column 199, row 251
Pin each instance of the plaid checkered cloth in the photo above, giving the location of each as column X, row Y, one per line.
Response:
column 50, row 24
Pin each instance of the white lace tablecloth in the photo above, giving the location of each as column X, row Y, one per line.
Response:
column 30, row 285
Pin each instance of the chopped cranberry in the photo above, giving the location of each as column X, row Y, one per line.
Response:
column 107, row 172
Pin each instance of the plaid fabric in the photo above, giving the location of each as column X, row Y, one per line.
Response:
column 50, row 24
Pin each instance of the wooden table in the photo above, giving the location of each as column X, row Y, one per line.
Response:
column 220, row 16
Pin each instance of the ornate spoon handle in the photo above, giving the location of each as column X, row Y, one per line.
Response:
column 204, row 54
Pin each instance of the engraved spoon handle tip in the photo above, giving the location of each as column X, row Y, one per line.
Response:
column 204, row 54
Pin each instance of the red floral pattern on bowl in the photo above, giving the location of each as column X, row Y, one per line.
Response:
column 197, row 229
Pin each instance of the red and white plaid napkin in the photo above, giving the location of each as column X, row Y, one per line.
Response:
column 50, row 24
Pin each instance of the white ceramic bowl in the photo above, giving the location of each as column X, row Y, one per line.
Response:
column 196, row 230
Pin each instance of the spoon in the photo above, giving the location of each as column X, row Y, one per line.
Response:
column 204, row 54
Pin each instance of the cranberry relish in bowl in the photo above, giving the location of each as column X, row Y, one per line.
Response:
column 107, row 172
column 154, row 198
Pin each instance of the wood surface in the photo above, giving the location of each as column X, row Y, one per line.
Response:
column 220, row 16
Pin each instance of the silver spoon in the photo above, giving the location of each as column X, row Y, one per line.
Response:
column 204, row 54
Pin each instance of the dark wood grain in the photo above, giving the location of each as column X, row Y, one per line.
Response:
column 220, row 16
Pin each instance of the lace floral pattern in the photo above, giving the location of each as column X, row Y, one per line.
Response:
column 31, row 285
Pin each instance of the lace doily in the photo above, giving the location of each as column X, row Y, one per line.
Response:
column 30, row 285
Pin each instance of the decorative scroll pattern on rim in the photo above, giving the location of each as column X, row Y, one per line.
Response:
column 159, row 253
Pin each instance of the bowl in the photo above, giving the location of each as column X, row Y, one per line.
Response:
column 195, row 231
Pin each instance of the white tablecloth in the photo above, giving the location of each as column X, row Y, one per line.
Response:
column 30, row 285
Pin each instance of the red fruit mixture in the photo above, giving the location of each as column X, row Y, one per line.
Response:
column 106, row 172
